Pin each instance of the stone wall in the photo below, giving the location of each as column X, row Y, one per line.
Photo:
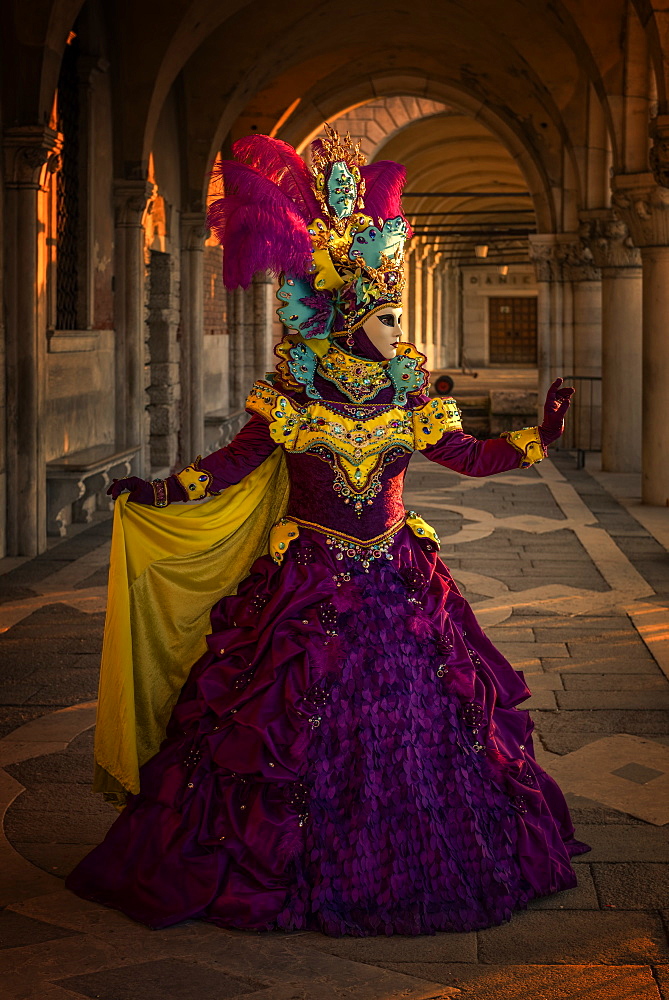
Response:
column 80, row 403
column 216, row 335
column 164, row 391
column 478, row 285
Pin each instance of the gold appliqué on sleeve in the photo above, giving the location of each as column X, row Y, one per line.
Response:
column 195, row 481
column 528, row 442
column 434, row 419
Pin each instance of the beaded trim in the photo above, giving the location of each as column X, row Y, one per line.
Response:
column 356, row 441
column 359, row 379
column 160, row 495
column 364, row 551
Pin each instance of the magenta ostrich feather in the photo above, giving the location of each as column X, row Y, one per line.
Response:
column 278, row 162
column 258, row 225
column 384, row 181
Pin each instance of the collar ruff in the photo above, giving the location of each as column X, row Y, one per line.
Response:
column 358, row 378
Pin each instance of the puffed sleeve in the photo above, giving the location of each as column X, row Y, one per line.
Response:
column 466, row 454
column 439, row 436
column 247, row 450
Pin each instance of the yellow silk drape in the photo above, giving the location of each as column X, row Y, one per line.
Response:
column 168, row 567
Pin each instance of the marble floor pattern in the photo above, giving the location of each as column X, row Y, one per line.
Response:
column 570, row 577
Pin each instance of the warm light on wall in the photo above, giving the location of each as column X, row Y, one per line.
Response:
column 503, row 269
column 481, row 250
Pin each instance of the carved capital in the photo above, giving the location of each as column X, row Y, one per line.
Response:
column 130, row 201
column 578, row 263
column 31, row 152
column 644, row 207
column 608, row 239
column 562, row 257
column 659, row 153
column 193, row 230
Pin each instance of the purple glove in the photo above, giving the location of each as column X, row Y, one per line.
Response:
column 555, row 407
column 140, row 490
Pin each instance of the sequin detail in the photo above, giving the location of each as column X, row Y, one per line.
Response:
column 359, row 379
column 356, row 441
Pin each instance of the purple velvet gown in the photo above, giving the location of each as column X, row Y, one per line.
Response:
column 348, row 756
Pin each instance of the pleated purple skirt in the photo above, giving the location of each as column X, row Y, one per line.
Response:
column 348, row 757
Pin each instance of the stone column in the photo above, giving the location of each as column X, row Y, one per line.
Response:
column 620, row 262
column 438, row 311
column 583, row 349
column 547, row 254
column 644, row 207
column 451, row 316
column 414, row 326
column 31, row 153
column 568, row 319
column 264, row 306
column 132, row 428
column 192, row 335
column 238, row 379
column 426, row 307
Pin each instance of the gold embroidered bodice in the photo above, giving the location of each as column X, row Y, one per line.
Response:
column 355, row 440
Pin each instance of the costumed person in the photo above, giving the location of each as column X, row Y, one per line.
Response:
column 347, row 754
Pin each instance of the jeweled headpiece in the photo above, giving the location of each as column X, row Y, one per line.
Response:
column 333, row 235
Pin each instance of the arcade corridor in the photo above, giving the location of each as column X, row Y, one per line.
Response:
column 535, row 134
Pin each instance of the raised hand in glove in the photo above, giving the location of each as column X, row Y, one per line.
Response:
column 192, row 483
column 555, row 407
column 140, row 490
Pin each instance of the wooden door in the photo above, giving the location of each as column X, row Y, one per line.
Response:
column 512, row 323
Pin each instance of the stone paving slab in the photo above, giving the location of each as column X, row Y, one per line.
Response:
column 632, row 699
column 615, row 843
column 632, row 885
column 598, row 771
column 617, row 682
column 604, row 721
column 583, row 897
column 540, row 982
column 119, row 952
column 542, row 682
column 539, row 650
column 601, row 663
column 565, row 937
column 432, row 948
column 543, row 700
column 586, row 811
column 578, row 652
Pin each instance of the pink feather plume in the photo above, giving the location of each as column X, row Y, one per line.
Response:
column 278, row 162
column 384, row 181
column 258, row 225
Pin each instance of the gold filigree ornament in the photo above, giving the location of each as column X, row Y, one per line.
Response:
column 431, row 421
column 357, row 378
column 281, row 535
column 355, row 441
column 528, row 442
column 329, row 151
column 195, row 481
column 421, row 528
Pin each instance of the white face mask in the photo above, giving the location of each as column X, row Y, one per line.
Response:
column 384, row 330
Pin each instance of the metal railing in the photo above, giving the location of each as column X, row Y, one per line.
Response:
column 583, row 431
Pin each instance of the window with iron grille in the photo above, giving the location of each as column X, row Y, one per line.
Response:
column 67, row 195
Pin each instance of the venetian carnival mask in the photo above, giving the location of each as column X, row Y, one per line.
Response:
column 342, row 190
column 332, row 232
column 373, row 244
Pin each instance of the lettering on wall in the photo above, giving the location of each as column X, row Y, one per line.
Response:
column 502, row 279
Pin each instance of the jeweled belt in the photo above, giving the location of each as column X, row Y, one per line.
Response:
column 361, row 550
